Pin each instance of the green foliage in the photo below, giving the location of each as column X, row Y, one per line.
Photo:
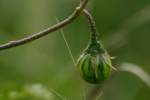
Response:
column 27, row 92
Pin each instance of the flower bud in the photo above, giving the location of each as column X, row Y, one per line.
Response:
column 95, row 64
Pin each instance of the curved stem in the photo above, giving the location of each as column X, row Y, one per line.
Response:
column 47, row 31
column 92, row 26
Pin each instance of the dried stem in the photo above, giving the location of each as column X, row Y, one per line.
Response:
column 94, row 93
column 47, row 31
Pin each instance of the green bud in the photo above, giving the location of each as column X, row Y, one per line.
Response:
column 95, row 64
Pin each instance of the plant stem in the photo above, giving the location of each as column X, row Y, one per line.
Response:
column 47, row 31
column 92, row 25
column 95, row 91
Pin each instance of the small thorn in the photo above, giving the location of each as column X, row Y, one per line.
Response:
column 114, row 68
column 113, row 58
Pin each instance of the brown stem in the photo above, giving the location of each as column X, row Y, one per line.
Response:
column 47, row 31
column 94, row 93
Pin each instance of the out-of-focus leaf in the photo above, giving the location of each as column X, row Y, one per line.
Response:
column 137, row 71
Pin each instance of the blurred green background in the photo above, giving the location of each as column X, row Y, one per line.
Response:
column 45, row 64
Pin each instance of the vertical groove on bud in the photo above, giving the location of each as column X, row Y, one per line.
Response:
column 94, row 64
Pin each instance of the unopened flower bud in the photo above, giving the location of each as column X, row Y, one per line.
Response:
column 95, row 64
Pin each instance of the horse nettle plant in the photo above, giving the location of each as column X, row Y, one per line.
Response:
column 94, row 63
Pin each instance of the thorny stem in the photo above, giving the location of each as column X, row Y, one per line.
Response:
column 47, row 31
column 92, row 25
